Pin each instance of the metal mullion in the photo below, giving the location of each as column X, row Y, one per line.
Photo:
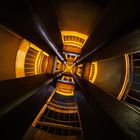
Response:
column 53, row 118
column 44, row 118
column 29, row 72
column 29, row 59
column 57, row 118
column 29, row 64
column 31, row 55
column 78, row 116
column 69, row 124
column 33, row 50
column 63, row 123
column 29, row 68
column 74, row 119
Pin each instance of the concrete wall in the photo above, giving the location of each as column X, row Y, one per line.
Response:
column 110, row 74
column 9, row 44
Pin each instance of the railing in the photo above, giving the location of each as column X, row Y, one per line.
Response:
column 30, row 60
column 59, row 118
column 133, row 96
column 29, row 66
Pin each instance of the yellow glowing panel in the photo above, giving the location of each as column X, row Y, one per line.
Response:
column 66, row 56
column 74, row 33
column 126, row 79
column 87, row 71
column 58, row 61
column 70, row 57
column 50, row 64
column 72, row 79
column 72, row 49
column 22, row 55
column 69, row 69
column 64, row 92
column 58, row 67
column 68, row 78
column 63, row 78
column 44, row 63
column 81, row 65
column 93, row 72
column 39, row 59
column 20, row 58
column 45, row 54
column 65, row 86
column 37, row 62
column 73, row 38
column 79, row 69
column 75, row 58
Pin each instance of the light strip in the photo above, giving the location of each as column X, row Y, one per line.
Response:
column 39, row 115
column 95, row 72
column 45, row 36
column 37, row 63
column 126, row 79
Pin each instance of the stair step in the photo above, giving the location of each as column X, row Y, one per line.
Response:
column 59, row 125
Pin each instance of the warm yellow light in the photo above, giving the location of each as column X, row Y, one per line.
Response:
column 69, row 111
column 45, row 53
column 74, row 33
column 66, row 56
column 75, row 58
column 68, row 78
column 20, row 58
column 73, row 38
column 69, row 68
column 79, row 69
column 93, row 72
column 64, row 92
column 126, row 79
column 58, row 61
column 37, row 62
column 81, row 65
